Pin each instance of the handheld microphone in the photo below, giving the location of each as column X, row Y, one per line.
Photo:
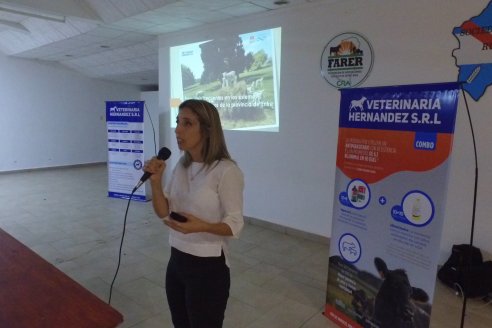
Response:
column 163, row 154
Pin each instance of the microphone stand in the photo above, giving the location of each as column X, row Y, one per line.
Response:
column 463, row 310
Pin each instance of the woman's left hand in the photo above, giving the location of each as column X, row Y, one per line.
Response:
column 192, row 224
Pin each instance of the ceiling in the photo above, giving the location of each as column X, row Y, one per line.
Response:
column 114, row 40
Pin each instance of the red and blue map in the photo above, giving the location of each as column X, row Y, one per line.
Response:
column 474, row 54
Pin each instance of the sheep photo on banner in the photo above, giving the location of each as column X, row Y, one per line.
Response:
column 394, row 146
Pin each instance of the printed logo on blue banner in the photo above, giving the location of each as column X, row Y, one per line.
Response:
column 426, row 108
column 416, row 209
column 425, row 140
column 137, row 164
column 357, row 195
column 128, row 111
column 349, row 248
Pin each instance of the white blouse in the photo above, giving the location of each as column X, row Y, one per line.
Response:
column 213, row 194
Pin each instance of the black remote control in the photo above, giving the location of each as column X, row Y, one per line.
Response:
column 178, row 217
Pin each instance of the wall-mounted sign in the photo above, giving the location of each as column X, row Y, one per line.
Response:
column 474, row 54
column 346, row 60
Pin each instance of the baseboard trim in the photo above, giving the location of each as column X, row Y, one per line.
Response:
column 287, row 230
column 47, row 168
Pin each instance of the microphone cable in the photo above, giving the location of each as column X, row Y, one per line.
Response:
column 153, row 130
column 121, row 247
column 126, row 214
column 472, row 229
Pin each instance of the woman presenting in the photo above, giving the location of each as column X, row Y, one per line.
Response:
column 206, row 188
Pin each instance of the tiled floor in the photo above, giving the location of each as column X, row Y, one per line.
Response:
column 278, row 280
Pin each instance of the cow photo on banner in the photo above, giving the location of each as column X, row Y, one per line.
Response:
column 394, row 145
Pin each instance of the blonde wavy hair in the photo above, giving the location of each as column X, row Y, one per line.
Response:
column 214, row 146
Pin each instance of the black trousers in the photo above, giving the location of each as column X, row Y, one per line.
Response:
column 197, row 290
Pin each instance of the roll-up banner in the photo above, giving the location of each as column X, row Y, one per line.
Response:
column 394, row 147
column 125, row 124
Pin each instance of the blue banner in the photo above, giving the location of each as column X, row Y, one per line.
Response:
column 125, row 126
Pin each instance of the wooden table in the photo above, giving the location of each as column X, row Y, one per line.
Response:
column 35, row 294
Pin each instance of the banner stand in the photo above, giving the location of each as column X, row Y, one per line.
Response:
column 125, row 126
column 393, row 158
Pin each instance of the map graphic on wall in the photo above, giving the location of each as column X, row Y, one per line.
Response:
column 474, row 53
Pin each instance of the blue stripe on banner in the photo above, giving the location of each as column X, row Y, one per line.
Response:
column 139, row 151
column 126, row 196
column 425, row 108
column 125, row 150
column 113, row 149
column 127, row 111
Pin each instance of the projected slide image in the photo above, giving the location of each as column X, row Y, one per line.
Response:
column 239, row 74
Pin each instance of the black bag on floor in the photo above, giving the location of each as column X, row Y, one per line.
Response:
column 466, row 272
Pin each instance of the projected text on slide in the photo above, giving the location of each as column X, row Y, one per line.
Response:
column 239, row 74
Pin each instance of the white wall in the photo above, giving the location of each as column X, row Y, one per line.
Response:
column 51, row 116
column 151, row 124
column 152, row 142
column 290, row 174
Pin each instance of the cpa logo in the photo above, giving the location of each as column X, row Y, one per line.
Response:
column 137, row 164
column 357, row 104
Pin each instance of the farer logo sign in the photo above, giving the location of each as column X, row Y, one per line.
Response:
column 346, row 60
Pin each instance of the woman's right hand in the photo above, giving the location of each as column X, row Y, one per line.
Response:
column 156, row 167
